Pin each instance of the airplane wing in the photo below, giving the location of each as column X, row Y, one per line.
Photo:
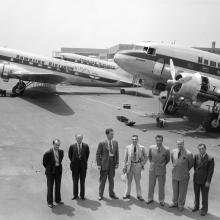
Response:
column 51, row 78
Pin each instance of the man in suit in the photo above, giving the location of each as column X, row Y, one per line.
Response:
column 159, row 157
column 78, row 155
column 203, row 171
column 52, row 161
column 182, row 160
column 107, row 158
column 134, row 161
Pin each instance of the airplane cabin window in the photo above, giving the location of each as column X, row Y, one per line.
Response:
column 218, row 65
column 212, row 63
column 149, row 50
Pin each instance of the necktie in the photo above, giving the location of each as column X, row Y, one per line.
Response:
column 135, row 150
column 110, row 146
column 80, row 150
column 56, row 156
column 179, row 154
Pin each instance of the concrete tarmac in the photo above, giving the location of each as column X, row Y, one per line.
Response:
column 28, row 125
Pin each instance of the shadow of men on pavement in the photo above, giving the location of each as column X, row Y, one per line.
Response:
column 63, row 210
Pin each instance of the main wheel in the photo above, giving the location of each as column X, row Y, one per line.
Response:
column 18, row 90
column 211, row 123
column 171, row 108
column 122, row 91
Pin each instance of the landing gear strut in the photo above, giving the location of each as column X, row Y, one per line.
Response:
column 212, row 122
column 170, row 108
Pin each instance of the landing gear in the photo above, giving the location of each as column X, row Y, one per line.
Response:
column 122, row 91
column 19, row 88
column 211, row 123
column 170, row 108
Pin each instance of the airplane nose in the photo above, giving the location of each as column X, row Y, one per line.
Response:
column 118, row 58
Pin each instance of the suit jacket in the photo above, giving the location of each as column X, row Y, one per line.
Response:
column 158, row 161
column 141, row 156
column 102, row 154
column 49, row 161
column 204, row 169
column 75, row 161
column 182, row 165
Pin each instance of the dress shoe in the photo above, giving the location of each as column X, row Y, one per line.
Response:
column 127, row 197
column 60, row 203
column 173, row 205
column 114, row 197
column 150, row 201
column 100, row 198
column 203, row 213
column 83, row 198
column 162, row 203
column 195, row 209
column 51, row 205
column 140, row 198
column 75, row 197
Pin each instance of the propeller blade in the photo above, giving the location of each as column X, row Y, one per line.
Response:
column 183, row 80
column 168, row 98
column 172, row 70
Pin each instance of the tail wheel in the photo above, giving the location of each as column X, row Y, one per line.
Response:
column 211, row 123
column 171, row 108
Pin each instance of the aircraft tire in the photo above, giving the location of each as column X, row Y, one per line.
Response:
column 210, row 123
column 16, row 91
column 122, row 91
column 170, row 108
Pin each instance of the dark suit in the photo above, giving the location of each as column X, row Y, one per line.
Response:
column 53, row 174
column 204, row 168
column 78, row 165
column 108, row 164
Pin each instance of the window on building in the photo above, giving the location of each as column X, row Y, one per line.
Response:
column 199, row 59
column 212, row 63
column 206, row 62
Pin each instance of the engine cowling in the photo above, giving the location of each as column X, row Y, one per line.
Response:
column 189, row 89
column 5, row 71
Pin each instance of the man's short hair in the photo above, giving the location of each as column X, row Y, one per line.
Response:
column 134, row 136
column 56, row 140
column 108, row 130
column 159, row 136
column 202, row 145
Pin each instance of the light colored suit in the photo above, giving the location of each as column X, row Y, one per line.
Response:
column 133, row 166
column 158, row 158
column 181, row 175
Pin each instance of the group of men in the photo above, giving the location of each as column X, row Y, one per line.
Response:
column 107, row 158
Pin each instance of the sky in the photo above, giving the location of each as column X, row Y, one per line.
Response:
column 43, row 26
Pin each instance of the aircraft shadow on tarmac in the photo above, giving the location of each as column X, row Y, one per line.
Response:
column 49, row 101
column 63, row 210
column 187, row 212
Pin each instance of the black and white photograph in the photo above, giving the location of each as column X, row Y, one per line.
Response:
column 109, row 109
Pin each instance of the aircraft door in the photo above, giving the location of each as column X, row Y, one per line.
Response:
column 158, row 67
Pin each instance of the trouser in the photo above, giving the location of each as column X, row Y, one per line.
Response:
column 180, row 191
column 135, row 171
column 205, row 192
column 79, row 175
column 161, row 185
column 51, row 179
column 110, row 173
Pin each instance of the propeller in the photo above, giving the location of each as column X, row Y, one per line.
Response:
column 173, row 82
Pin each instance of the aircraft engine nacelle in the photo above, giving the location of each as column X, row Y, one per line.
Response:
column 5, row 71
column 189, row 89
